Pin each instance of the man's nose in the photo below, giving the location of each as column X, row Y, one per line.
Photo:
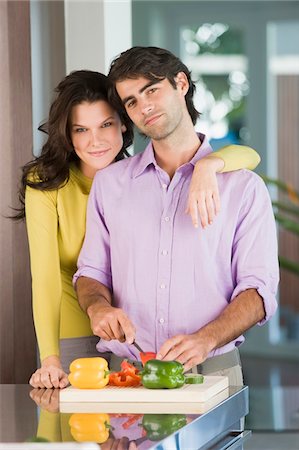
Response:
column 146, row 107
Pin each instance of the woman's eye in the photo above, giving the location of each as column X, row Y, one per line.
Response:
column 107, row 125
column 80, row 130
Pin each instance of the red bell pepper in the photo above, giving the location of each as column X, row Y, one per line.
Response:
column 146, row 356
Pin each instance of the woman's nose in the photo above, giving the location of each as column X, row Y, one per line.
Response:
column 95, row 139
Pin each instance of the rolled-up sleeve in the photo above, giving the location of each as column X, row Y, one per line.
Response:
column 94, row 258
column 255, row 254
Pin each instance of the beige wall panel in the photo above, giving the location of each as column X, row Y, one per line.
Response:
column 288, row 171
column 17, row 346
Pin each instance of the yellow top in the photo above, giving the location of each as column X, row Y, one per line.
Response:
column 56, row 227
column 238, row 157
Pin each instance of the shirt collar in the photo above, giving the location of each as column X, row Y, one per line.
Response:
column 148, row 156
column 204, row 149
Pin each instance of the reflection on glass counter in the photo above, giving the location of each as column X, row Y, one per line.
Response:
column 122, row 429
column 29, row 414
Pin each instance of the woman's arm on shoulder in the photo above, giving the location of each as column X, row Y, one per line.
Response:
column 237, row 157
column 203, row 200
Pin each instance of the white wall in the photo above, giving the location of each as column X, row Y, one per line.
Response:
column 95, row 32
column 47, row 60
column 70, row 35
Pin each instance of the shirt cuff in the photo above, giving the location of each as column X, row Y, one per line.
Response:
column 95, row 274
column 270, row 302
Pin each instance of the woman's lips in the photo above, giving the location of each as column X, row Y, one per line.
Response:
column 98, row 153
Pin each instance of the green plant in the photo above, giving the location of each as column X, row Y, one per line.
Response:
column 286, row 213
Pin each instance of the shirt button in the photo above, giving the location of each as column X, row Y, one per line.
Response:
column 167, row 219
column 161, row 320
column 164, row 252
column 162, row 286
column 164, row 186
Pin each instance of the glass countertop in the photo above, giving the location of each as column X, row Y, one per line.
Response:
column 28, row 413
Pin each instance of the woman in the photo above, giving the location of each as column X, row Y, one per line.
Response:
column 84, row 135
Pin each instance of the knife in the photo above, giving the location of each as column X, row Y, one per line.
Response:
column 138, row 347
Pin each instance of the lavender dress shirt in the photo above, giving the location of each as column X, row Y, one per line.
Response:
column 169, row 277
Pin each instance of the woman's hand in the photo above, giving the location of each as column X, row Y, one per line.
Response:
column 204, row 201
column 47, row 399
column 50, row 375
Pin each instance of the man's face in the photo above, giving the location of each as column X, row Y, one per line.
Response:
column 155, row 107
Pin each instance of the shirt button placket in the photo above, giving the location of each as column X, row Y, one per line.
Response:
column 164, row 275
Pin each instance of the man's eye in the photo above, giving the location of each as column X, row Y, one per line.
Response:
column 152, row 90
column 130, row 104
column 80, row 130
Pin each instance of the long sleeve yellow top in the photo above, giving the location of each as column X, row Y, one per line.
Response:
column 56, row 227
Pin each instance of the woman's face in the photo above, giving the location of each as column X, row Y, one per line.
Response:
column 96, row 133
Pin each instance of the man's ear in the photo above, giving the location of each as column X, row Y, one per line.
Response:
column 182, row 82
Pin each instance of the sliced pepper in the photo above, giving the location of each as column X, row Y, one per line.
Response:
column 118, row 379
column 89, row 373
column 90, row 427
column 147, row 356
column 129, row 370
column 194, row 378
column 128, row 376
column 158, row 426
column 163, row 374
column 131, row 420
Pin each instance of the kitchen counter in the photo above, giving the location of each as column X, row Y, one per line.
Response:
column 215, row 426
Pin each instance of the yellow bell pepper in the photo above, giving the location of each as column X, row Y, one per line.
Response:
column 90, row 427
column 89, row 373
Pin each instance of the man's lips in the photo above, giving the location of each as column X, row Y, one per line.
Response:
column 152, row 119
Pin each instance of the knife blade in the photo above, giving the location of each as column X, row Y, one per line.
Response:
column 138, row 347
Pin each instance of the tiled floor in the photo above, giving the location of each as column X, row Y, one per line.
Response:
column 274, row 403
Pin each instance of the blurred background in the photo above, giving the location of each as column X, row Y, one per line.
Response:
column 244, row 56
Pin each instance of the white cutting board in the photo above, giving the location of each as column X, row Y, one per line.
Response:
column 189, row 393
column 145, row 407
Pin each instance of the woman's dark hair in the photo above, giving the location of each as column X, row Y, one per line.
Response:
column 152, row 63
column 51, row 169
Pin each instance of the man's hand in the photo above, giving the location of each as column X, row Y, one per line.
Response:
column 241, row 313
column 106, row 321
column 119, row 444
column 50, row 375
column 110, row 323
column 189, row 350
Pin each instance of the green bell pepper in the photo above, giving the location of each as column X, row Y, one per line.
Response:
column 162, row 374
column 159, row 426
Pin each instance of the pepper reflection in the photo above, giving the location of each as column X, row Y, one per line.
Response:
column 159, row 426
column 118, row 430
column 90, row 427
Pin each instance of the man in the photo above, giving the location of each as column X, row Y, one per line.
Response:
column 144, row 271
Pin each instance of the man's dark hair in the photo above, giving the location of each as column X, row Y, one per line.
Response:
column 153, row 63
